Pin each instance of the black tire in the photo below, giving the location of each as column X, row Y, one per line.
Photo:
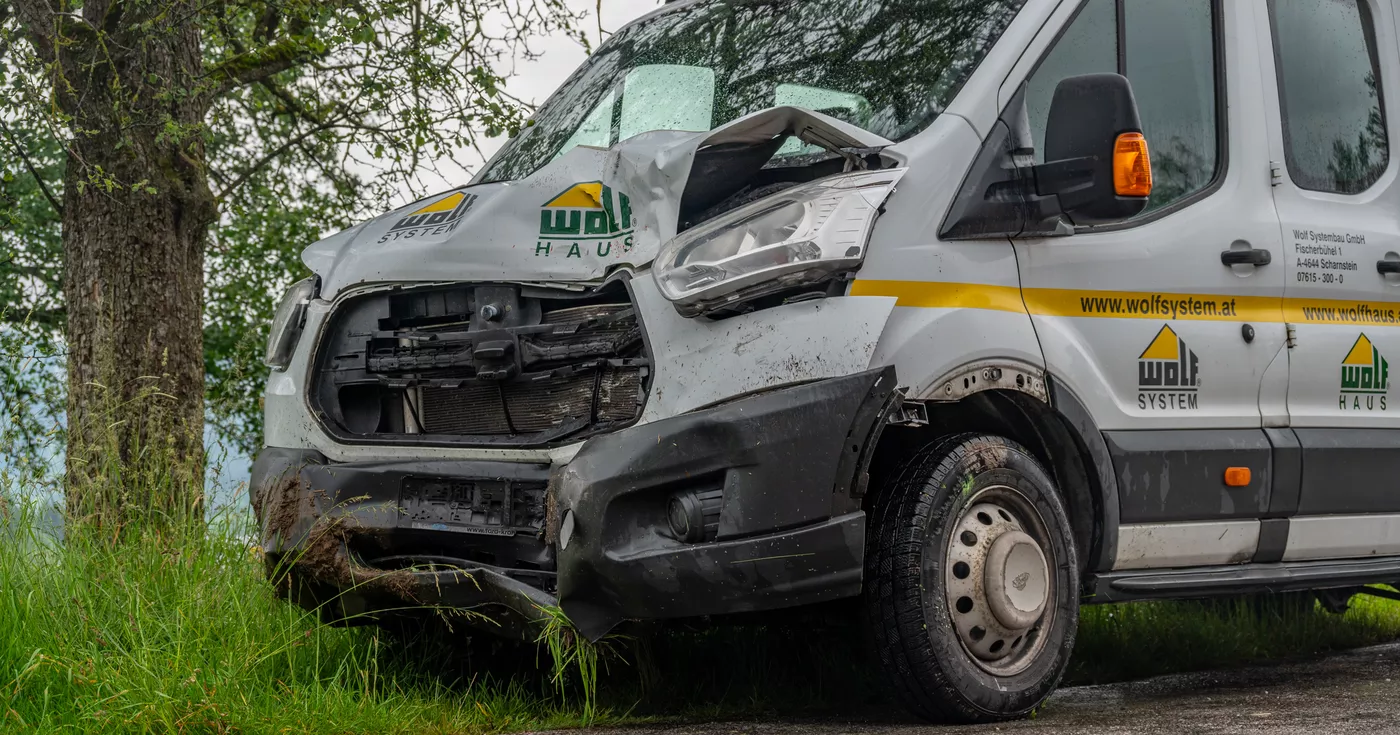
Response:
column 930, row 666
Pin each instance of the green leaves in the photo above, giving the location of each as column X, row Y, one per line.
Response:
column 319, row 114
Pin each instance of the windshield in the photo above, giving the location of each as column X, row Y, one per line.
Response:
column 888, row 66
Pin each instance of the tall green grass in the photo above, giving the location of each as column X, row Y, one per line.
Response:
column 169, row 631
column 1122, row 642
column 176, row 631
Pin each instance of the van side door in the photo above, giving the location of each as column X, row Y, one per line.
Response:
column 1168, row 327
column 1331, row 70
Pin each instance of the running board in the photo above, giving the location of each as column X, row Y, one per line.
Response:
column 1162, row 584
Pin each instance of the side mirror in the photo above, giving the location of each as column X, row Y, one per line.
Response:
column 1097, row 169
column 1096, row 159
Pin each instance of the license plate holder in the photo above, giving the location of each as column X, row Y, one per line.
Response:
column 481, row 507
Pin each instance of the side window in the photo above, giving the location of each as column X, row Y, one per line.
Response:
column 1334, row 130
column 1088, row 46
column 1168, row 51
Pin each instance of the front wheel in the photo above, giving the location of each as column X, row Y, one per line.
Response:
column 971, row 581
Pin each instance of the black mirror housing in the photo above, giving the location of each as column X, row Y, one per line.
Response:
column 1087, row 114
column 1006, row 194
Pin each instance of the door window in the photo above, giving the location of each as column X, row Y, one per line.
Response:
column 1168, row 51
column 1333, row 122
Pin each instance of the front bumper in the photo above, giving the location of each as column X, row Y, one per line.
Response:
column 787, row 467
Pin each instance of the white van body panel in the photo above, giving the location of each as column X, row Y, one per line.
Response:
column 1168, row 545
column 701, row 363
column 926, row 340
column 1168, row 265
column 1331, row 244
column 618, row 204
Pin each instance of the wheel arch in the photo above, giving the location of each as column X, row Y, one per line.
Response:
column 1059, row 432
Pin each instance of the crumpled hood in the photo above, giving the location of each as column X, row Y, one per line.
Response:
column 576, row 219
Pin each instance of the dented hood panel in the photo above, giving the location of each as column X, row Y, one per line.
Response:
column 576, row 219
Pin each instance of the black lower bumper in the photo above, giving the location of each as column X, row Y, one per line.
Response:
column 779, row 475
column 359, row 541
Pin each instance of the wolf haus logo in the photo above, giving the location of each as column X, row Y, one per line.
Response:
column 588, row 219
column 1169, row 374
column 1365, row 378
column 438, row 218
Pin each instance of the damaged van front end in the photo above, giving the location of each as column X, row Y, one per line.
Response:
column 523, row 394
column 623, row 372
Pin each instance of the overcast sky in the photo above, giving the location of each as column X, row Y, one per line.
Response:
column 533, row 81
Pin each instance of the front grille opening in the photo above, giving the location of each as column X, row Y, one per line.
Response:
column 484, row 364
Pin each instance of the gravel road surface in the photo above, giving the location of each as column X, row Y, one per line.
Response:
column 1355, row 692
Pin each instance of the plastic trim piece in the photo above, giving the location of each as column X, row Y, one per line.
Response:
column 1233, row 580
column 1165, row 545
column 787, row 461
column 1105, row 480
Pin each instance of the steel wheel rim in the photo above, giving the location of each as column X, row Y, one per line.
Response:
column 999, row 580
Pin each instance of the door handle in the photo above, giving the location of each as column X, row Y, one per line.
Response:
column 1387, row 267
column 1256, row 256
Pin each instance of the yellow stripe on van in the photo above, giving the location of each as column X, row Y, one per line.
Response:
column 1333, row 311
column 1097, row 304
column 941, row 295
column 1157, row 306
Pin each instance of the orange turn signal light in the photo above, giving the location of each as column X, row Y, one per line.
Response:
column 1237, row 476
column 1132, row 167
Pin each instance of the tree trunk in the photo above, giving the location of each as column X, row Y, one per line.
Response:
column 137, row 209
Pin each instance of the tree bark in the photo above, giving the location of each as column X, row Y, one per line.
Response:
column 137, row 209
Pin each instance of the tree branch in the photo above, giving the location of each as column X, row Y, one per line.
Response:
column 291, row 101
column 46, row 318
column 44, row 187
column 270, row 157
column 254, row 66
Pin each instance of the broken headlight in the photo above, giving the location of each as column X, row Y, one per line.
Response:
column 799, row 236
column 287, row 321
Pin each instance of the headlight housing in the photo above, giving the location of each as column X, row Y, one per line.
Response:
column 287, row 322
column 798, row 236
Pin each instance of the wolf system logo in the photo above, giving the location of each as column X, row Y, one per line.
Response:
column 1365, row 378
column 588, row 219
column 438, row 218
column 1169, row 374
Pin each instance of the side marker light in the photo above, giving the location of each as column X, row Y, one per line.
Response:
column 1237, row 476
column 1132, row 166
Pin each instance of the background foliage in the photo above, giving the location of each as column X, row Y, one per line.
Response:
column 323, row 113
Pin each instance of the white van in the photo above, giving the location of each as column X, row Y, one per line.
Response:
column 980, row 310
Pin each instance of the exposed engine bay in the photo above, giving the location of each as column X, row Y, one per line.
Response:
column 494, row 364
